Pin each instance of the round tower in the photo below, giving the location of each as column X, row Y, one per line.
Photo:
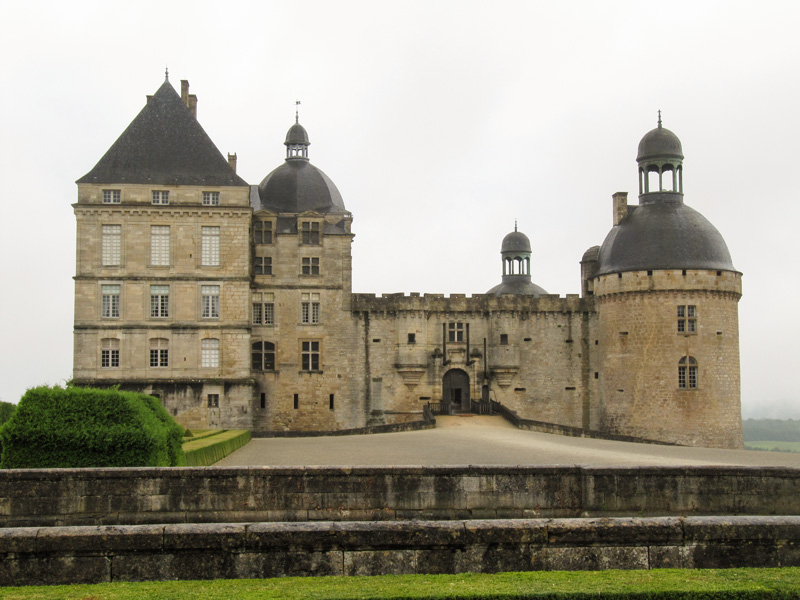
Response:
column 667, row 301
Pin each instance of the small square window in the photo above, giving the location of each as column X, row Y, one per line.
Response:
column 211, row 198
column 112, row 196
column 504, row 339
column 263, row 265
column 213, row 401
column 262, row 232
column 311, row 266
column 160, row 197
column 412, row 338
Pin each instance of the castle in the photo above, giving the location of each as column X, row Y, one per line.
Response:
column 233, row 303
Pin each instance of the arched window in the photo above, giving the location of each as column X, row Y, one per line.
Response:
column 687, row 373
column 263, row 356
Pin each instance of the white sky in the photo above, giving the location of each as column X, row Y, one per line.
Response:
column 439, row 122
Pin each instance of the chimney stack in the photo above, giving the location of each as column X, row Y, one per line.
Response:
column 149, row 97
column 620, row 206
column 193, row 105
column 185, row 91
column 232, row 161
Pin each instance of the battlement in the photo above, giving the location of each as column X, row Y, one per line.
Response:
column 477, row 303
column 669, row 280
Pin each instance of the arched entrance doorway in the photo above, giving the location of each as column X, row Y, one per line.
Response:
column 455, row 390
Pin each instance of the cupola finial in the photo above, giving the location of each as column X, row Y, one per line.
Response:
column 166, row 73
column 659, row 118
column 515, row 224
column 297, row 111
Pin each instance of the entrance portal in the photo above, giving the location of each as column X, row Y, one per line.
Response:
column 455, row 390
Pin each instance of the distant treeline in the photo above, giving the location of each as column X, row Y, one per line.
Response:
column 774, row 430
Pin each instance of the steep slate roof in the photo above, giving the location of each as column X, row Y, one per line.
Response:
column 164, row 145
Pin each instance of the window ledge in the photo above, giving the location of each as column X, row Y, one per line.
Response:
column 310, row 372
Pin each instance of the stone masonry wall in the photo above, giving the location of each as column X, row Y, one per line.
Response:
column 640, row 348
column 70, row 497
column 537, row 358
column 36, row 556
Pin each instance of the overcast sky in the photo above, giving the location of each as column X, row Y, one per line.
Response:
column 440, row 123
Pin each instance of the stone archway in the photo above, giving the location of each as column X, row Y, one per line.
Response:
column 455, row 390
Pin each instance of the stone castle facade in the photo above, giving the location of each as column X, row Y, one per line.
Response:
column 233, row 303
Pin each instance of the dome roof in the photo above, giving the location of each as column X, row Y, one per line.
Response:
column 297, row 135
column 298, row 186
column 663, row 235
column 517, row 284
column 516, row 241
column 660, row 143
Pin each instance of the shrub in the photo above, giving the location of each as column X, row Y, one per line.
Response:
column 6, row 410
column 87, row 427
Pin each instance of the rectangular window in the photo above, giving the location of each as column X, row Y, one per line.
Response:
column 109, row 306
column 263, row 265
column 211, row 198
column 209, row 252
column 160, row 197
column 330, row 402
column 687, row 319
column 109, row 353
column 262, row 232
column 209, row 353
column 455, row 332
column 159, row 352
column 309, row 308
column 112, row 196
column 310, row 356
column 412, row 338
column 159, row 245
column 112, row 245
column 311, row 266
column 209, row 301
column 213, row 401
column 263, row 309
column 310, row 233
column 263, row 400
column 504, row 339
column 296, row 401
column 159, row 301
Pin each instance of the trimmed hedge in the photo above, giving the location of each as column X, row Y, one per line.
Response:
column 211, row 449
column 6, row 411
column 87, row 427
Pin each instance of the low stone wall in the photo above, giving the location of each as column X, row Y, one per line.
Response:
column 57, row 497
column 225, row 551
column 543, row 427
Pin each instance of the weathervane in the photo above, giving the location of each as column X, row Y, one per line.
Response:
column 297, row 111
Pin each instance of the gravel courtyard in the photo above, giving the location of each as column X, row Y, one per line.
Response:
column 477, row 440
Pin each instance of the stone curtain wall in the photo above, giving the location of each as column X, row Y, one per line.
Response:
column 31, row 556
column 58, row 497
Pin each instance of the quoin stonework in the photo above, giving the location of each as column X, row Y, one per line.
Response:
column 232, row 303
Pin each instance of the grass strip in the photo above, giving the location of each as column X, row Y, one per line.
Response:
column 207, row 451
column 661, row 584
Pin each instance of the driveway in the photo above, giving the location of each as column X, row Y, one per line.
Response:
column 479, row 440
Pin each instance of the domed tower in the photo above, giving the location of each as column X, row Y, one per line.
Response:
column 516, row 254
column 303, row 335
column 667, row 301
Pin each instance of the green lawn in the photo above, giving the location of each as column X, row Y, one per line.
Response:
column 662, row 584
column 767, row 445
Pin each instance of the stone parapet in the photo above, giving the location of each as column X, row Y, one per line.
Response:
column 478, row 303
column 64, row 555
column 69, row 497
column 676, row 280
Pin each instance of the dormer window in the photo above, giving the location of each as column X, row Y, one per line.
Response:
column 310, row 233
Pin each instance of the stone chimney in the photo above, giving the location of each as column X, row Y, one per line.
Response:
column 620, row 206
column 190, row 100
column 149, row 97
column 232, row 161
